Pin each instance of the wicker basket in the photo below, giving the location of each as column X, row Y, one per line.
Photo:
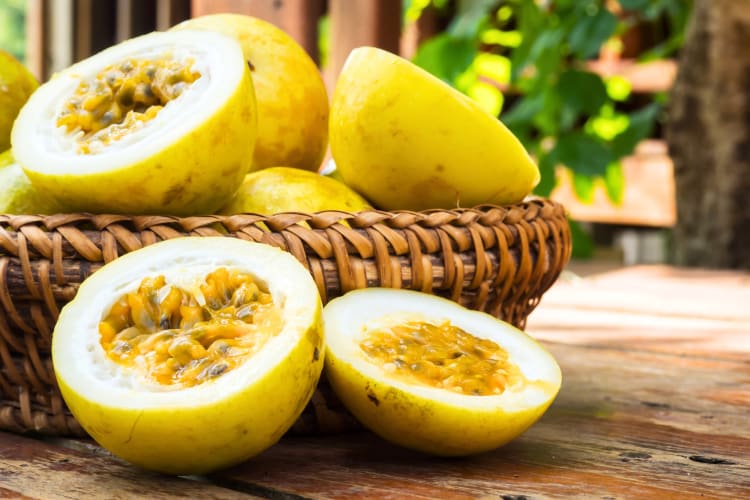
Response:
column 496, row 259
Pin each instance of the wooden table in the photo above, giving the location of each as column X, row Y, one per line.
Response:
column 655, row 404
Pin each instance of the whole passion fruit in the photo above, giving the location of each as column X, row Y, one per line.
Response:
column 17, row 195
column 191, row 354
column 162, row 123
column 290, row 93
column 303, row 191
column 16, row 85
column 428, row 374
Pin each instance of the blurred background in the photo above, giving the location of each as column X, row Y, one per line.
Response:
column 637, row 111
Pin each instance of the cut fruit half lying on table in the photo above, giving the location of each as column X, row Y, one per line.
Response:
column 428, row 374
column 191, row 354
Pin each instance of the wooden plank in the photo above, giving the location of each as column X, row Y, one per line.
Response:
column 171, row 12
column 37, row 12
column 31, row 468
column 686, row 311
column 353, row 24
column 649, row 191
column 299, row 18
column 624, row 425
column 95, row 27
column 61, row 40
column 134, row 17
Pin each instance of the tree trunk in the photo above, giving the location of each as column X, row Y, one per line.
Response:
column 708, row 133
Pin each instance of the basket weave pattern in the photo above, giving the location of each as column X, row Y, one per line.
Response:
column 495, row 259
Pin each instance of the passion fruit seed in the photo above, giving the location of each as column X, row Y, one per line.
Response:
column 177, row 338
column 121, row 98
column 443, row 356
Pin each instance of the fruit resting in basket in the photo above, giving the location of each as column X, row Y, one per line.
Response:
column 189, row 355
column 171, row 122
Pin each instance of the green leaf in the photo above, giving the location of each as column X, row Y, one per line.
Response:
column 634, row 4
column 582, row 91
column 583, row 243
column 583, row 185
column 524, row 110
column 487, row 96
column 493, row 66
column 502, row 38
column 547, row 170
column 618, row 88
column 641, row 125
column 445, row 56
column 584, row 154
column 472, row 14
column 614, row 181
column 591, row 31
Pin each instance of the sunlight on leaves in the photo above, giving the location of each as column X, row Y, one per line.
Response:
column 618, row 88
column 487, row 96
column 502, row 38
column 493, row 66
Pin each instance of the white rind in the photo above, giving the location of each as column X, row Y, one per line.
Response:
column 83, row 364
column 40, row 145
column 346, row 319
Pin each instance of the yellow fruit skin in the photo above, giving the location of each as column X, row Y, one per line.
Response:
column 17, row 195
column 406, row 140
column 285, row 189
column 202, row 439
column 181, row 180
column 425, row 425
column 291, row 97
column 16, row 85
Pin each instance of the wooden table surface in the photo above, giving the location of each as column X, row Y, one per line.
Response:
column 655, row 403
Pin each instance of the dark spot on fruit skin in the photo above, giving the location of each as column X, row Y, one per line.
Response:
column 250, row 65
column 316, row 354
column 373, row 399
column 439, row 168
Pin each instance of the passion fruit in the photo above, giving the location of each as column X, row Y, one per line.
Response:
column 162, row 123
column 407, row 140
column 17, row 195
column 16, row 85
column 192, row 354
column 290, row 93
column 428, row 374
column 285, row 189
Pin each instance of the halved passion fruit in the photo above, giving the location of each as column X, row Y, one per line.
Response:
column 428, row 374
column 162, row 123
column 191, row 354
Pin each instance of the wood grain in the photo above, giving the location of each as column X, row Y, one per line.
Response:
column 644, row 411
column 626, row 424
column 31, row 468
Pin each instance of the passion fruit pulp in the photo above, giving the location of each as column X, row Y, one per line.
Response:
column 428, row 374
column 192, row 354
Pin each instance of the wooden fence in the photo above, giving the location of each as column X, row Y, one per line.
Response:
column 61, row 32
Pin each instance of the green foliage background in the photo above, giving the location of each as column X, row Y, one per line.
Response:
column 13, row 27
column 537, row 51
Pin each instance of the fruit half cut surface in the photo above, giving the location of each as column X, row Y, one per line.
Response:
column 191, row 354
column 162, row 123
column 428, row 374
